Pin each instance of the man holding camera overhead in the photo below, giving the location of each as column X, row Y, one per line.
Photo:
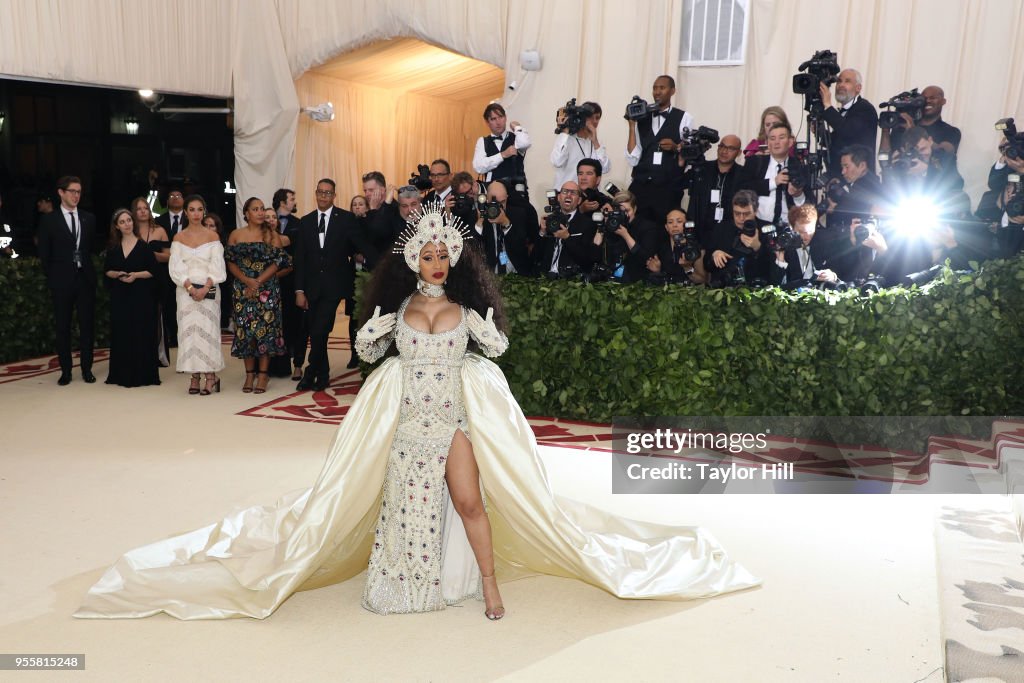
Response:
column 855, row 122
column 577, row 140
column 655, row 135
column 945, row 136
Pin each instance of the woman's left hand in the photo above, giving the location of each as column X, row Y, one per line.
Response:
column 492, row 342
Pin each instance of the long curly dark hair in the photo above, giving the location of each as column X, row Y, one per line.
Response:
column 469, row 284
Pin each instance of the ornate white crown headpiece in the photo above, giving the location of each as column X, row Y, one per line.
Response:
column 431, row 225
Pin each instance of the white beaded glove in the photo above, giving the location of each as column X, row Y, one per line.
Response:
column 492, row 342
column 374, row 337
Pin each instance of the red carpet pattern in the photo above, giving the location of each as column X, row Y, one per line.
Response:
column 808, row 457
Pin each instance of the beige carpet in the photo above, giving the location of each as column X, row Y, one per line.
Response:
column 87, row 472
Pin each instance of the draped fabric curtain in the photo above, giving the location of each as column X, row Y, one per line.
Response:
column 377, row 129
column 604, row 50
column 181, row 46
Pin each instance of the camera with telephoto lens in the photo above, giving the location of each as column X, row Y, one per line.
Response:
column 864, row 230
column 421, row 179
column 781, row 236
column 733, row 275
column 490, row 210
column 910, row 102
column 822, row 67
column 871, row 284
column 464, row 204
column 835, row 191
column 1015, row 207
column 685, row 244
column 696, row 143
column 1014, row 148
column 575, row 117
column 554, row 219
column 638, row 109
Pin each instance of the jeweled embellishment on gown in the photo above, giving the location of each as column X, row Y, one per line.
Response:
column 404, row 574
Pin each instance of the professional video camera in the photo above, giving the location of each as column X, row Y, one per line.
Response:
column 805, row 171
column 554, row 219
column 421, row 179
column 1015, row 139
column 490, row 210
column 575, row 117
column 696, row 143
column 823, row 67
column 638, row 109
column 910, row 102
column 781, row 236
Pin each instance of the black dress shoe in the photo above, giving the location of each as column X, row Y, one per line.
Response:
column 321, row 384
column 65, row 379
column 353, row 362
column 88, row 376
column 305, row 384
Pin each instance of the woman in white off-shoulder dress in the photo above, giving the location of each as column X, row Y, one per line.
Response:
column 197, row 268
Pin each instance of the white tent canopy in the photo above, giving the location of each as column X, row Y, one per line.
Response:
column 260, row 52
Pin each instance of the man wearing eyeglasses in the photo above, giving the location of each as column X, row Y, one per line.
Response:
column 441, row 183
column 65, row 244
column 712, row 188
column 564, row 244
column 324, row 275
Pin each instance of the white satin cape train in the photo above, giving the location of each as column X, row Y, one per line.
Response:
column 249, row 563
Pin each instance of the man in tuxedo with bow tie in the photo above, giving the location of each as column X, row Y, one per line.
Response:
column 854, row 122
column 500, row 154
column 65, row 243
column 652, row 150
column 324, row 274
column 768, row 176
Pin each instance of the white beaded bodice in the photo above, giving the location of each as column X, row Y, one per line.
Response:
column 432, row 403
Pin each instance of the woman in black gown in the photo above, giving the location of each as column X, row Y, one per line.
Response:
column 129, row 267
column 160, row 244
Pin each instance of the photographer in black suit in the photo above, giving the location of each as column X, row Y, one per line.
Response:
column 504, row 236
column 390, row 219
column 566, row 237
column 324, row 275
column 735, row 254
column 66, row 239
column 624, row 249
column 768, row 176
column 855, row 122
column 712, row 189
column 801, row 263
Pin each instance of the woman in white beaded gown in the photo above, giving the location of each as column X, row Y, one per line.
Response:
column 197, row 266
column 433, row 481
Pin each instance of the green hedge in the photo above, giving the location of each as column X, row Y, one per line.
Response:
column 26, row 311
column 954, row 347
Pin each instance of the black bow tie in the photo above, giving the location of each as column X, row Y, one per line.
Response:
column 498, row 137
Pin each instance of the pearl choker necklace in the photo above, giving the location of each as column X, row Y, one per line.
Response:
column 429, row 290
